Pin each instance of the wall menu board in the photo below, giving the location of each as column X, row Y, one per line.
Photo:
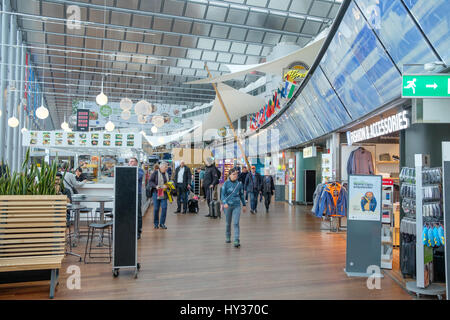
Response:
column 48, row 139
column 83, row 120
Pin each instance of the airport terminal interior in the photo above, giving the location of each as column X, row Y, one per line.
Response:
column 224, row 149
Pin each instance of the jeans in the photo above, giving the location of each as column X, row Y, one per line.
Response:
column 156, row 204
column 232, row 213
column 181, row 197
column 253, row 200
column 139, row 213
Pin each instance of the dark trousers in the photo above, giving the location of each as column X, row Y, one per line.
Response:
column 181, row 197
column 139, row 213
column 267, row 198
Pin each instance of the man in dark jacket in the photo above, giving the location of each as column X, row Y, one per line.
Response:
column 253, row 187
column 268, row 188
column 243, row 175
column 211, row 179
column 182, row 178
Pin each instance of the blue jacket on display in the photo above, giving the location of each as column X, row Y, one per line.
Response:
column 368, row 203
column 333, row 201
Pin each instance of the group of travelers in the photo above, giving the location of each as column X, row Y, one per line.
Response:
column 239, row 185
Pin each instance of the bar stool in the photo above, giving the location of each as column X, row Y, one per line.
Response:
column 70, row 221
column 101, row 251
column 105, row 210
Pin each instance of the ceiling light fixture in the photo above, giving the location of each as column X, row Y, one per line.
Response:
column 101, row 99
column 154, row 129
column 42, row 111
column 109, row 126
column 13, row 122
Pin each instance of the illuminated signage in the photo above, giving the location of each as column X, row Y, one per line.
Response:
column 83, row 120
column 310, row 152
column 389, row 125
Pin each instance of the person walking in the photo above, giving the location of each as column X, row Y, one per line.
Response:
column 133, row 162
column 268, row 187
column 253, row 184
column 183, row 178
column 158, row 190
column 232, row 195
column 211, row 180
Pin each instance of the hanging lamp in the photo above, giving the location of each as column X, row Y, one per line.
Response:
column 101, row 99
column 42, row 111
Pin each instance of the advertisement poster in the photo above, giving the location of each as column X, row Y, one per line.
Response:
column 280, row 177
column 327, row 174
column 364, row 197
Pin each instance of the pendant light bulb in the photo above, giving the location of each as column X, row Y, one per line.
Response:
column 154, row 129
column 109, row 126
column 13, row 122
column 101, row 99
column 65, row 125
column 24, row 130
column 42, row 112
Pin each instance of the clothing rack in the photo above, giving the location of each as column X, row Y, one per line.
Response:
column 334, row 220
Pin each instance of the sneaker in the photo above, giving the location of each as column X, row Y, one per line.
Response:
column 178, row 211
column 236, row 244
column 139, row 236
column 162, row 226
column 155, row 227
column 208, row 215
column 228, row 240
column 267, row 210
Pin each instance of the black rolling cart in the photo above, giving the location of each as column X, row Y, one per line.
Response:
column 125, row 220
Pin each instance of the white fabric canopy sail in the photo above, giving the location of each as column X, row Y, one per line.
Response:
column 156, row 141
column 307, row 55
column 237, row 103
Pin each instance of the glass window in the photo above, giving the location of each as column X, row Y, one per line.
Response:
column 434, row 19
column 396, row 29
column 347, row 71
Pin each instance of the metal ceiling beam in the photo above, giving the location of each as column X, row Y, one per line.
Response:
column 127, row 62
column 134, row 90
column 125, row 29
column 128, row 41
column 191, row 87
column 171, row 16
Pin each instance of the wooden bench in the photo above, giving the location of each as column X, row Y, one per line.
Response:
column 32, row 234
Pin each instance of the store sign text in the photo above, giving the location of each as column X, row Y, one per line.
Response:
column 310, row 152
column 386, row 126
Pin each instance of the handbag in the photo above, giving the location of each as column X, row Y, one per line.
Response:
column 160, row 194
column 74, row 191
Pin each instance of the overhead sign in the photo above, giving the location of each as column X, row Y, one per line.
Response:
column 82, row 120
column 426, row 86
column 49, row 139
column 310, row 152
column 389, row 125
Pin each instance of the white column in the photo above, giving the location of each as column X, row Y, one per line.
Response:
column 16, row 131
column 10, row 96
column 4, row 60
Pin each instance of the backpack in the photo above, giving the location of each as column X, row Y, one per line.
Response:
column 193, row 206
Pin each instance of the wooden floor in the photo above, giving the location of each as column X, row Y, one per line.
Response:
column 283, row 255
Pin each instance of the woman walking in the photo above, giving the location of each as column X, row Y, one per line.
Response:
column 232, row 194
column 157, row 186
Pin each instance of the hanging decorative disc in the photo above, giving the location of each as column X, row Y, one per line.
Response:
column 126, row 114
column 158, row 121
column 126, row 104
column 141, row 119
column 143, row 107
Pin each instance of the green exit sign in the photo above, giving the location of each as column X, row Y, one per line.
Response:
column 426, row 86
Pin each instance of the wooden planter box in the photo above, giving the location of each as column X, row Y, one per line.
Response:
column 32, row 234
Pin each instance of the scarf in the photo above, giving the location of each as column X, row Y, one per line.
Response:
column 161, row 179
